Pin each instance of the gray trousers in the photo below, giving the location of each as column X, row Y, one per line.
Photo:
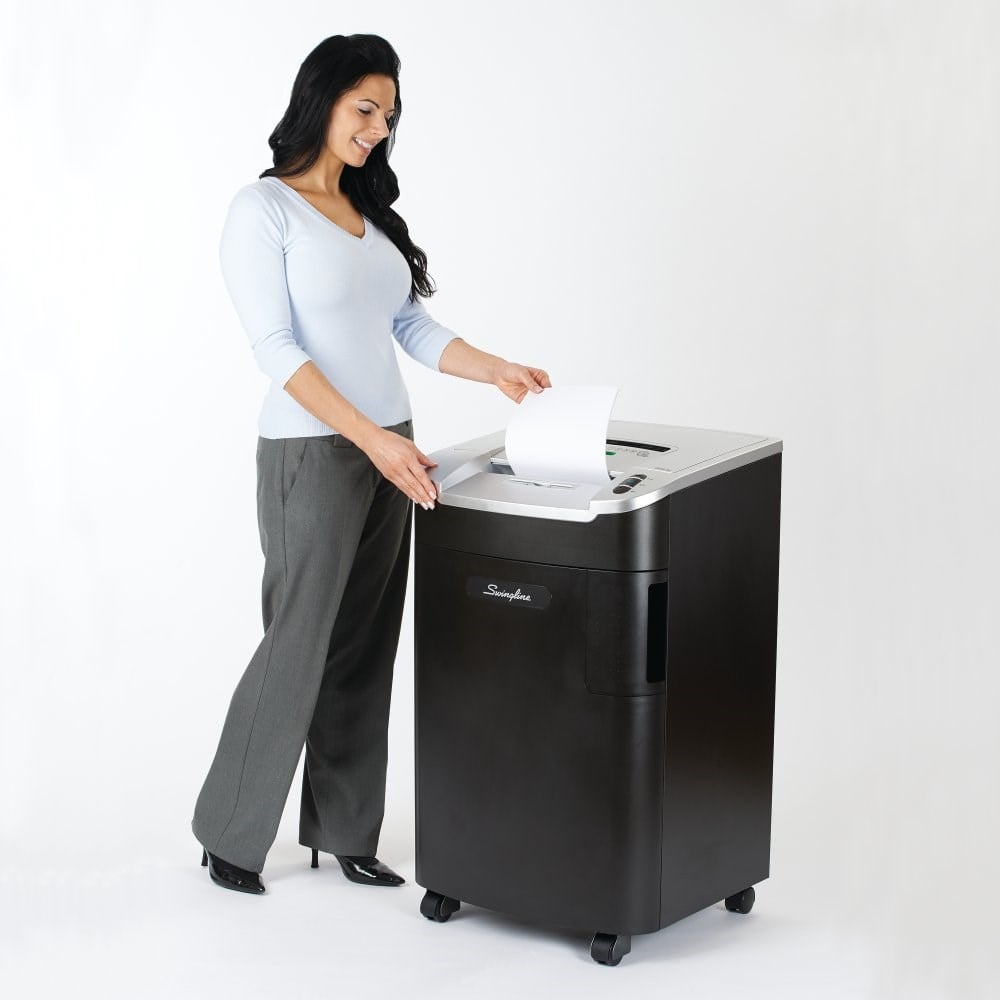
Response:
column 335, row 536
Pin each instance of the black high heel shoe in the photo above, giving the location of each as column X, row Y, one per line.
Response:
column 363, row 870
column 231, row 876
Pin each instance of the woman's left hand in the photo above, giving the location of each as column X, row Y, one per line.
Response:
column 516, row 381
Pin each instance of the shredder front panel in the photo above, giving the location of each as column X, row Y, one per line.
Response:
column 536, row 795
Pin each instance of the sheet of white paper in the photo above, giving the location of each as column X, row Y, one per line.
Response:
column 560, row 435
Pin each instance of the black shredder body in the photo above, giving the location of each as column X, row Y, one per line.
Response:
column 595, row 683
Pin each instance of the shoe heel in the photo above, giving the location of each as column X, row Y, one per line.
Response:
column 204, row 858
column 315, row 859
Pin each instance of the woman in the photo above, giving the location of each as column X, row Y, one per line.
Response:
column 323, row 275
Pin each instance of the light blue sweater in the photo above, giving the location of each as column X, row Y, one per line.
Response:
column 307, row 290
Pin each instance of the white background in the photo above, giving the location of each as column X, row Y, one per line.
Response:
column 778, row 217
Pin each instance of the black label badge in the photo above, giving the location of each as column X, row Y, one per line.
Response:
column 519, row 595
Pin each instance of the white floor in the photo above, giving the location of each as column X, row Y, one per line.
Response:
column 110, row 924
column 141, row 929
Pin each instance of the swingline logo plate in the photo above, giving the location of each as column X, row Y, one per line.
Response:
column 515, row 595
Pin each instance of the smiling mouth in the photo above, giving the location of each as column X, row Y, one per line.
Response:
column 366, row 146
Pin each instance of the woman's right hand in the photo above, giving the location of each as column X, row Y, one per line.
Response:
column 403, row 464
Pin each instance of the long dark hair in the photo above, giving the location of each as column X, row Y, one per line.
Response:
column 332, row 68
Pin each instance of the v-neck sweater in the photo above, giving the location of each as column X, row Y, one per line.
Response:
column 306, row 289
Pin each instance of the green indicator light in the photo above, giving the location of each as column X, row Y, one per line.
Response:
column 611, row 453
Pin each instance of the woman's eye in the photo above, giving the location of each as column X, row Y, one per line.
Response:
column 365, row 111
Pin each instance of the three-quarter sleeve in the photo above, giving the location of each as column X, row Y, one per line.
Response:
column 419, row 334
column 252, row 256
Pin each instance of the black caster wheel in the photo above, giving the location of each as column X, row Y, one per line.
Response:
column 610, row 949
column 742, row 902
column 438, row 908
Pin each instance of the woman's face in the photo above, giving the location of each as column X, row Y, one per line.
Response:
column 359, row 119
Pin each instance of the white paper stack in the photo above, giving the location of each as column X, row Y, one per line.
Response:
column 560, row 435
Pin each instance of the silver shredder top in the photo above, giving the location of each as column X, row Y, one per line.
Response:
column 646, row 462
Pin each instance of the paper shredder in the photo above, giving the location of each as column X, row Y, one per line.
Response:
column 594, row 683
